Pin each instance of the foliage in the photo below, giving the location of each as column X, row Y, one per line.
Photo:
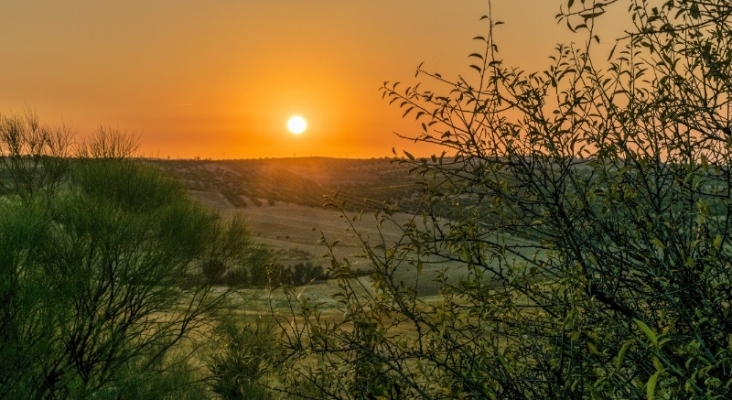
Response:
column 239, row 371
column 171, row 378
column 234, row 198
column 590, row 213
column 249, row 271
column 101, row 284
column 297, row 275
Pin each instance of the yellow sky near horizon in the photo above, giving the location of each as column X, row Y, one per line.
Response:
column 220, row 79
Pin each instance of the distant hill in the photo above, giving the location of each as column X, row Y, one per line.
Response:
column 302, row 181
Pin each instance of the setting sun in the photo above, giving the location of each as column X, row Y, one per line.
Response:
column 297, row 125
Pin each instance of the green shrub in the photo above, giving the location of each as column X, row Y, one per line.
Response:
column 240, row 369
column 585, row 210
column 103, row 279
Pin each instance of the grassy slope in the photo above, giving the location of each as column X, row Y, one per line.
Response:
column 294, row 220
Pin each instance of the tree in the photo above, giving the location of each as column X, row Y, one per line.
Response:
column 109, row 143
column 583, row 216
column 32, row 156
column 102, row 285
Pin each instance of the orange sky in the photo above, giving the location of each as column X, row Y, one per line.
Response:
column 220, row 78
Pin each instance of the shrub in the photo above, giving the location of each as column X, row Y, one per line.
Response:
column 239, row 370
column 96, row 279
column 586, row 213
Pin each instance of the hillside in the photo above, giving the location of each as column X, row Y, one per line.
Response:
column 281, row 201
column 299, row 181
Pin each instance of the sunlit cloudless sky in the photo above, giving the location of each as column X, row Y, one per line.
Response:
column 221, row 78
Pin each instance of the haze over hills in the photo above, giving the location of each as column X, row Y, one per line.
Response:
column 300, row 181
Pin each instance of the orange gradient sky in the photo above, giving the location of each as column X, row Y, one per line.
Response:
column 220, row 79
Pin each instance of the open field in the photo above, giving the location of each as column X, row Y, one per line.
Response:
column 294, row 232
column 296, row 229
column 281, row 201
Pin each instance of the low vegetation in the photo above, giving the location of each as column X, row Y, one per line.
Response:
column 576, row 243
column 101, row 261
column 616, row 182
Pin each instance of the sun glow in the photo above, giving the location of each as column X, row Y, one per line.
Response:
column 297, row 125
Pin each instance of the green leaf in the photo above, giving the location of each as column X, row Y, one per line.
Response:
column 694, row 11
column 621, row 354
column 657, row 364
column 717, row 242
column 649, row 333
column 651, row 386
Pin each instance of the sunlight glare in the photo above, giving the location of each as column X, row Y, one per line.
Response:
column 296, row 125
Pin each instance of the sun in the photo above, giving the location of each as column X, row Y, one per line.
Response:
column 297, row 125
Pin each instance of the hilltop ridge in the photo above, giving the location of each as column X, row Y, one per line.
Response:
column 302, row 181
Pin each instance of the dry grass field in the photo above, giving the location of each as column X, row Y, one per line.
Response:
column 295, row 233
column 292, row 221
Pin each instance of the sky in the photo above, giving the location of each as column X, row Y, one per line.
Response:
column 221, row 78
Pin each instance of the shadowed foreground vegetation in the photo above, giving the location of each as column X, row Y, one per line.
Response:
column 615, row 175
column 589, row 210
column 102, row 287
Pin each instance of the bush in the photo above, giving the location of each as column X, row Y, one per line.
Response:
column 238, row 372
column 89, row 271
column 214, row 271
column 234, row 198
column 586, row 214
column 237, row 277
column 298, row 275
